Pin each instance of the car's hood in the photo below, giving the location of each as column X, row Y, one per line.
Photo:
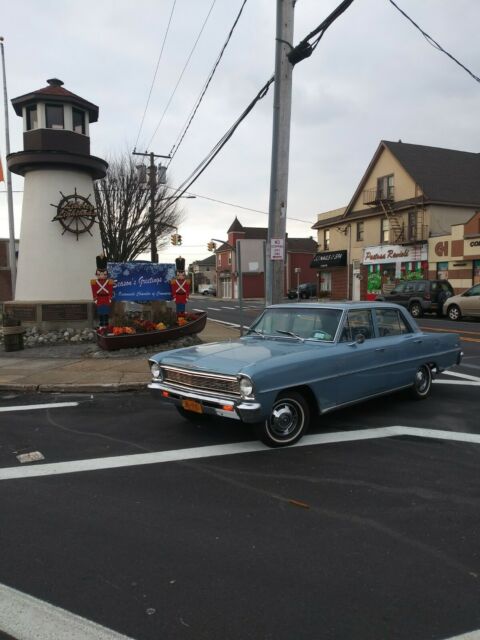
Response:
column 243, row 355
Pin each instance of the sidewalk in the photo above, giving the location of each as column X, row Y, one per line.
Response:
column 46, row 369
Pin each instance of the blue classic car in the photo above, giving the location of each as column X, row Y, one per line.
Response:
column 299, row 361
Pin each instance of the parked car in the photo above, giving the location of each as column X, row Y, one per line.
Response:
column 420, row 296
column 304, row 291
column 465, row 304
column 211, row 290
column 299, row 361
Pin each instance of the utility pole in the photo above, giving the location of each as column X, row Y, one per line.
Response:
column 11, row 220
column 152, row 178
column 282, row 103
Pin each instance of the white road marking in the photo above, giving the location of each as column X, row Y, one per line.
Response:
column 213, row 308
column 229, row 324
column 461, row 382
column 229, row 308
column 25, row 617
column 465, row 376
column 32, row 407
column 195, row 453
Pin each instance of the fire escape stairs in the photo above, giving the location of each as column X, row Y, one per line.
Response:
column 396, row 227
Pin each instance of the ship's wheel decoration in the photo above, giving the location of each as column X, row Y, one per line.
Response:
column 75, row 213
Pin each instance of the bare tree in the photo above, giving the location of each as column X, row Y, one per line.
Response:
column 123, row 210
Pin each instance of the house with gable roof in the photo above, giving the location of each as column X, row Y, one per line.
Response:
column 408, row 195
column 299, row 255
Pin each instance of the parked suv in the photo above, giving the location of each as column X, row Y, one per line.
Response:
column 305, row 290
column 420, row 296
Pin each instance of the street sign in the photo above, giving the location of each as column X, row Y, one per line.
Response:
column 277, row 249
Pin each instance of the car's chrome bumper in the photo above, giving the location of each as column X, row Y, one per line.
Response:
column 244, row 410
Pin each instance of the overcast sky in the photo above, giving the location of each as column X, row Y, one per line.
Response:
column 372, row 77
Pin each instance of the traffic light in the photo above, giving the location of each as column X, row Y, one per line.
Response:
column 211, row 246
column 179, row 239
column 173, row 238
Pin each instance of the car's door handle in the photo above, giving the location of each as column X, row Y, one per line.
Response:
column 380, row 349
column 417, row 341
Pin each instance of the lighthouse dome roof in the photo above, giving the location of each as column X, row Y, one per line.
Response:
column 55, row 90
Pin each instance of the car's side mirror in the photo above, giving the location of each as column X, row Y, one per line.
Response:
column 359, row 338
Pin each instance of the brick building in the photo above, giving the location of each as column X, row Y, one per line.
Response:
column 299, row 254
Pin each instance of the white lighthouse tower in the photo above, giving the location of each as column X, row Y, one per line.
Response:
column 59, row 236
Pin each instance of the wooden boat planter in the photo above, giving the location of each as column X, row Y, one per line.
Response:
column 129, row 341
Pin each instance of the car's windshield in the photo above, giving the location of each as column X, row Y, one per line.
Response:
column 309, row 324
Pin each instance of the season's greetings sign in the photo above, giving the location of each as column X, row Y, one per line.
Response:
column 141, row 281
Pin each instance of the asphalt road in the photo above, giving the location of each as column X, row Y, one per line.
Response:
column 130, row 521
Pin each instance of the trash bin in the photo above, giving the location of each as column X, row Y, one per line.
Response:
column 13, row 338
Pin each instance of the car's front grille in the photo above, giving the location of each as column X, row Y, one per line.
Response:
column 212, row 383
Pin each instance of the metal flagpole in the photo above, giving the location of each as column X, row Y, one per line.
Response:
column 11, row 221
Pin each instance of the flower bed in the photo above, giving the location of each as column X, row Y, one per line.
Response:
column 139, row 333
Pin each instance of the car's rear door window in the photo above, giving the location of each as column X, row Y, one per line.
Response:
column 358, row 322
column 390, row 322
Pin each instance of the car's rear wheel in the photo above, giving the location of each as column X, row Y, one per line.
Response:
column 416, row 310
column 288, row 420
column 454, row 312
column 422, row 385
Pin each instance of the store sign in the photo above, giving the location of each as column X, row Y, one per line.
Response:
column 383, row 254
column 475, row 243
column 327, row 259
column 141, row 281
column 441, row 248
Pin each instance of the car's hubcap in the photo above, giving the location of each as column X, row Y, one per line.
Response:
column 415, row 311
column 284, row 419
column 421, row 380
column 454, row 313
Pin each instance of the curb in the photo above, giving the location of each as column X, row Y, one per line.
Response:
column 112, row 387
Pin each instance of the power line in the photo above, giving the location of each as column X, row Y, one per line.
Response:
column 186, row 126
column 434, row 43
column 181, row 74
column 238, row 206
column 197, row 172
column 155, row 74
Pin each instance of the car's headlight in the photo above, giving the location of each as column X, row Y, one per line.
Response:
column 246, row 387
column 156, row 371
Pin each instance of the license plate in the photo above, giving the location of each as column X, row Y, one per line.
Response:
column 192, row 405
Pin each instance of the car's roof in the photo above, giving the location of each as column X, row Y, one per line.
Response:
column 342, row 305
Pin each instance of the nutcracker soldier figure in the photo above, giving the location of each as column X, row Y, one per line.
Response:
column 102, row 291
column 180, row 287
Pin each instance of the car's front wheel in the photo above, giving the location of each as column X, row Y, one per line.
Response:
column 288, row 420
column 416, row 310
column 423, row 382
column 454, row 312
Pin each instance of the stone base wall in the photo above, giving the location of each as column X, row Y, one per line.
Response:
column 46, row 315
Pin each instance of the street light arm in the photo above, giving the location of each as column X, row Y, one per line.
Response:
column 223, row 242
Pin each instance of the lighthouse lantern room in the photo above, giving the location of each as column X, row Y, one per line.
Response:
column 59, row 235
